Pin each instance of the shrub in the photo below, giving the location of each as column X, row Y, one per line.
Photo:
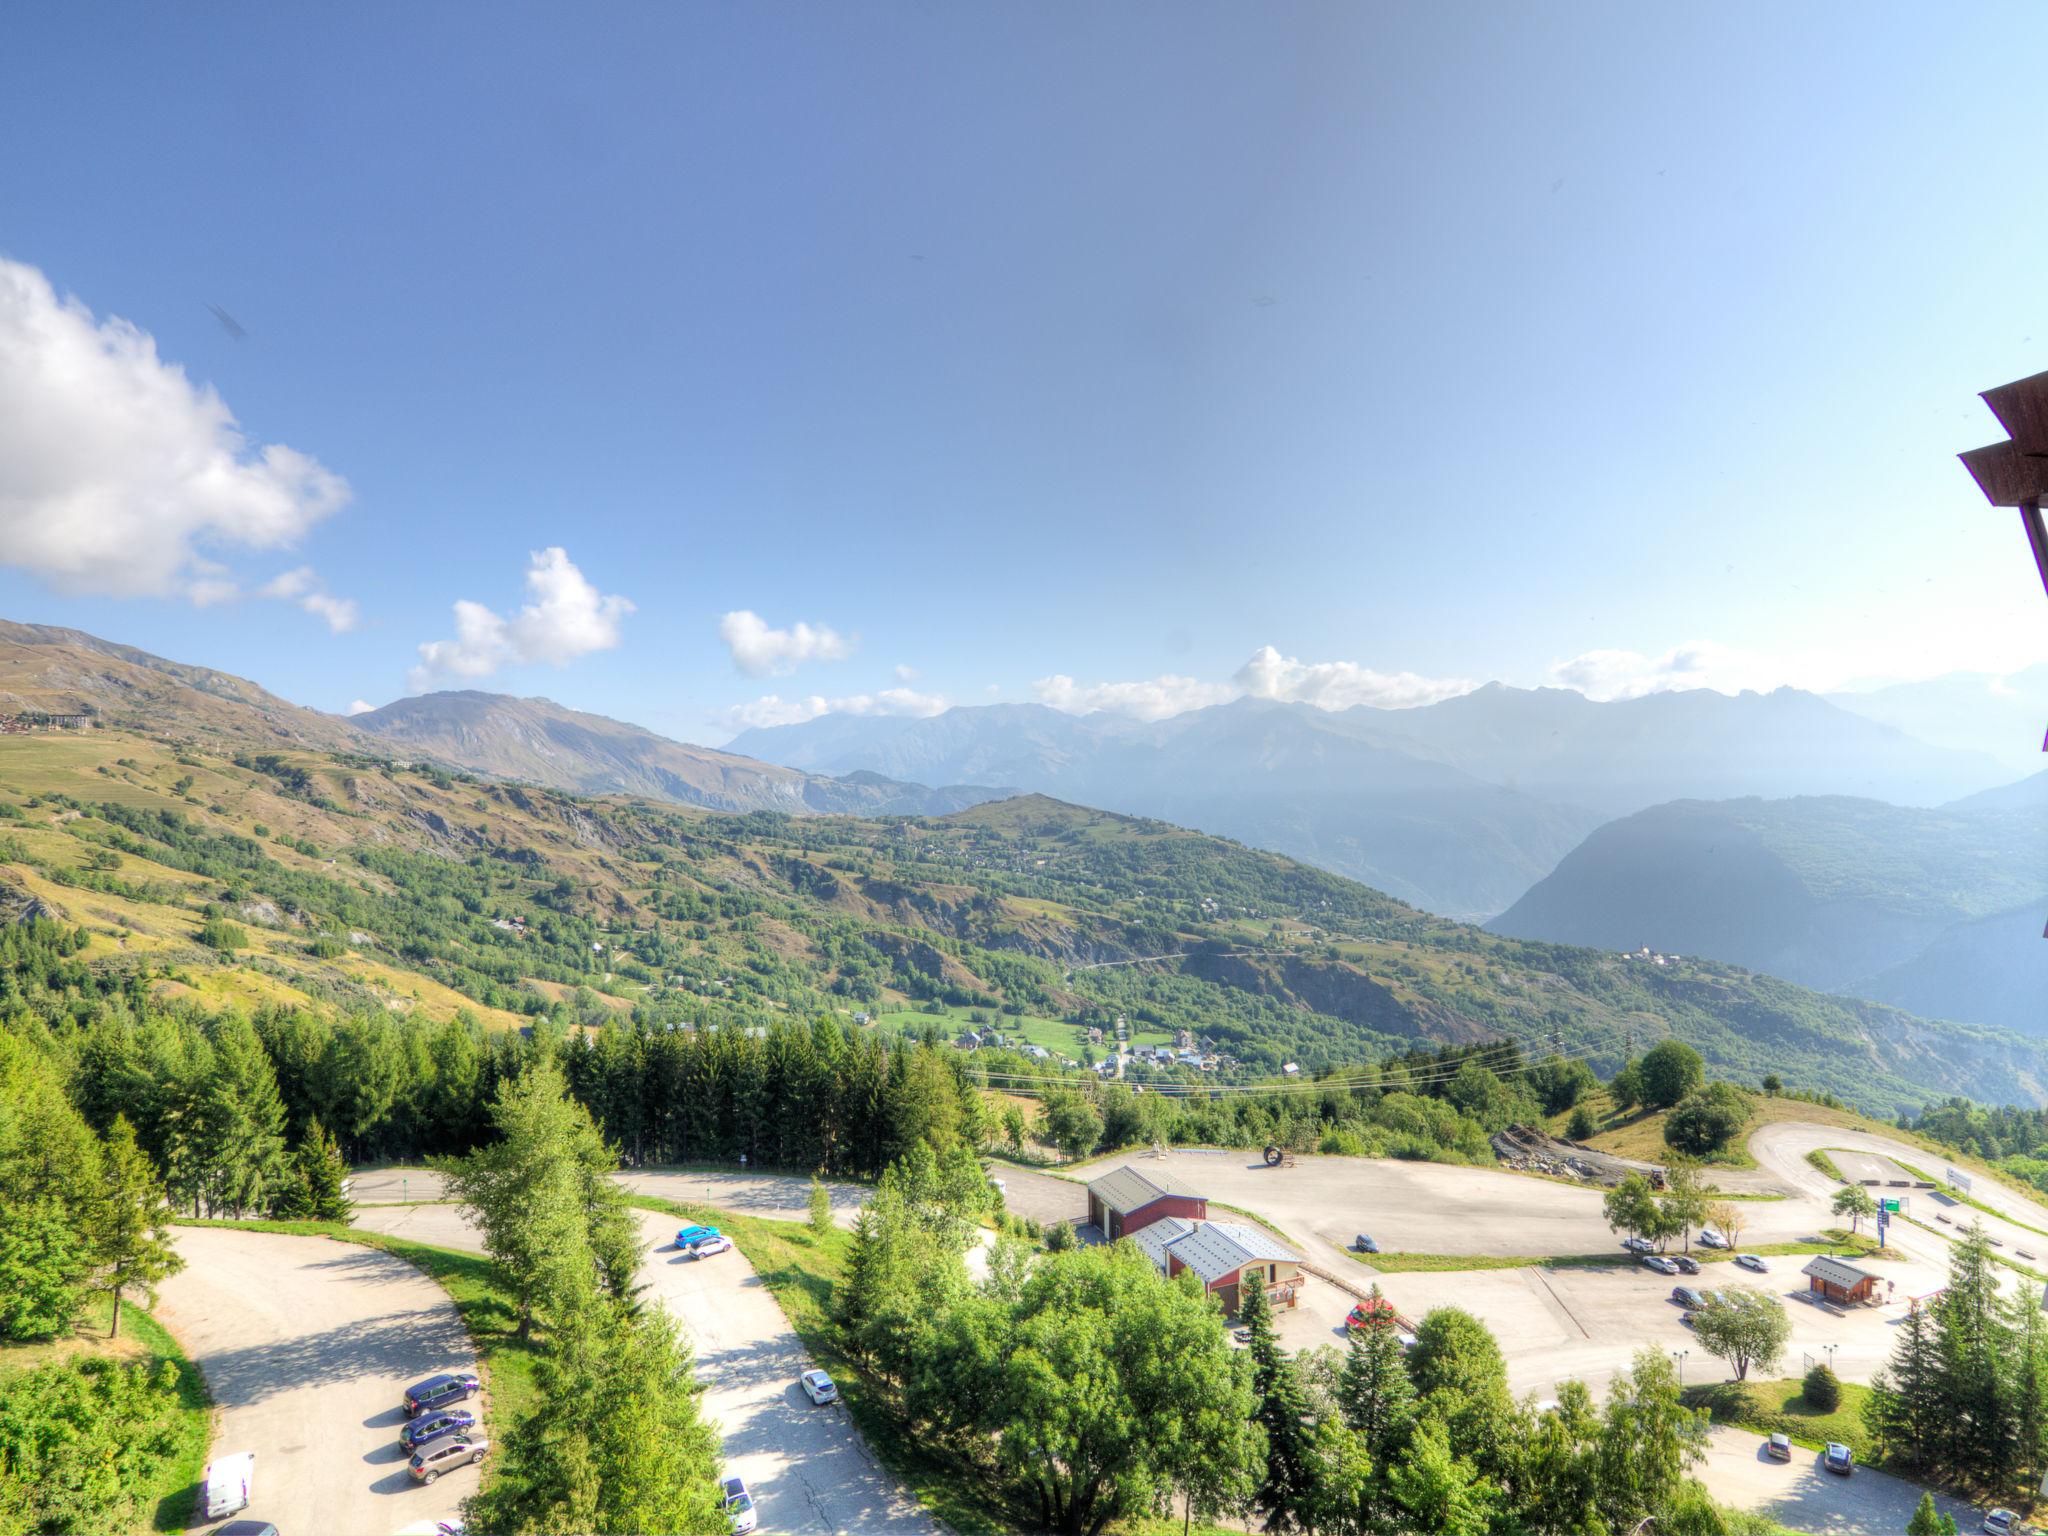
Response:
column 1707, row 1120
column 1582, row 1127
column 1823, row 1389
column 1059, row 1237
column 224, row 936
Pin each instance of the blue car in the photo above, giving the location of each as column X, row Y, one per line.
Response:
column 439, row 1391
column 691, row 1236
column 429, row 1427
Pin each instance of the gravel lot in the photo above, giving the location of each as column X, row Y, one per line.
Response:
column 1040, row 1196
column 807, row 1466
column 308, row 1345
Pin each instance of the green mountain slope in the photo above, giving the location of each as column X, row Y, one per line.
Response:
column 352, row 882
column 1828, row 891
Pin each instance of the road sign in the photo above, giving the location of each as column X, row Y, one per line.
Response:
column 1958, row 1178
column 1889, row 1205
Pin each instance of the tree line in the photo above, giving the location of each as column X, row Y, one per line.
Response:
column 1964, row 1397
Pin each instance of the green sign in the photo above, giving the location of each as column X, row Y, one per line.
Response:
column 1890, row 1205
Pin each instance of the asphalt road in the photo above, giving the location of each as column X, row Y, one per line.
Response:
column 808, row 1468
column 307, row 1345
column 1799, row 1494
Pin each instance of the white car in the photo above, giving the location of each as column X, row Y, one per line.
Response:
column 818, row 1387
column 1709, row 1238
column 738, row 1505
column 705, row 1247
column 1753, row 1261
column 2003, row 1522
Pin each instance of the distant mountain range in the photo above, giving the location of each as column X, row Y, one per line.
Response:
column 1999, row 713
column 539, row 741
column 1457, row 807
column 1937, row 911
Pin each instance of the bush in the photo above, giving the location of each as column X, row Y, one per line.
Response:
column 1582, row 1127
column 1341, row 1141
column 1823, row 1390
column 1059, row 1237
column 223, row 936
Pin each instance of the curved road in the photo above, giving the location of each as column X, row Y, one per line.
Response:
column 307, row 1345
column 807, row 1466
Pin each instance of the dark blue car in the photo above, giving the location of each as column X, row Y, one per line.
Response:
column 439, row 1391
column 438, row 1425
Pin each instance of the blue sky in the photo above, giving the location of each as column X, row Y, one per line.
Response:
column 1016, row 343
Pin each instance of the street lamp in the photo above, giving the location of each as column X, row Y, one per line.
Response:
column 2014, row 473
column 1679, row 1355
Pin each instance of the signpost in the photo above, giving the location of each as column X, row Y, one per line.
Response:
column 1957, row 1179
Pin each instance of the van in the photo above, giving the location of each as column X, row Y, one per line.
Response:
column 227, row 1485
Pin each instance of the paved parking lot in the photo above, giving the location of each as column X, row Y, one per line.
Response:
column 1799, row 1494
column 807, row 1466
column 1423, row 1207
column 307, row 1345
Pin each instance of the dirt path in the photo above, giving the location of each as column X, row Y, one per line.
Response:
column 307, row 1344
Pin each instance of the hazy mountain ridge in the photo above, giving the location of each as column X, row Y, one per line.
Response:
column 542, row 742
column 1843, row 894
column 1458, row 806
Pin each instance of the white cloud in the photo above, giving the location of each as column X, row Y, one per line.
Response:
column 302, row 586
column 1340, row 684
column 117, row 471
column 760, row 651
column 1619, row 674
column 774, row 710
column 359, row 707
column 1267, row 675
column 567, row 618
column 906, row 674
column 1153, row 699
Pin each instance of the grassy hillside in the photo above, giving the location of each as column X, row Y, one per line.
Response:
column 350, row 881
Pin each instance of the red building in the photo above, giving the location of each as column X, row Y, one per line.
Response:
column 1226, row 1256
column 1124, row 1201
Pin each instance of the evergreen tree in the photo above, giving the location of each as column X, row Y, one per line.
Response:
column 132, row 1237
column 1903, row 1411
column 44, row 1266
column 1288, row 1493
column 1376, row 1397
column 316, row 1189
column 239, row 1150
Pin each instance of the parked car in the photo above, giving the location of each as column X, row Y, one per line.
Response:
column 739, row 1505
column 1709, row 1238
column 2002, row 1522
column 1688, row 1298
column 1687, row 1265
column 1753, row 1261
column 438, row 1425
column 1779, row 1447
column 1638, row 1245
column 1365, row 1313
column 430, row 1461
column 227, row 1485
column 265, row 1528
column 818, row 1387
column 704, row 1247
column 1364, row 1244
column 1659, row 1263
column 693, row 1234
column 1838, row 1458
column 439, row 1391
